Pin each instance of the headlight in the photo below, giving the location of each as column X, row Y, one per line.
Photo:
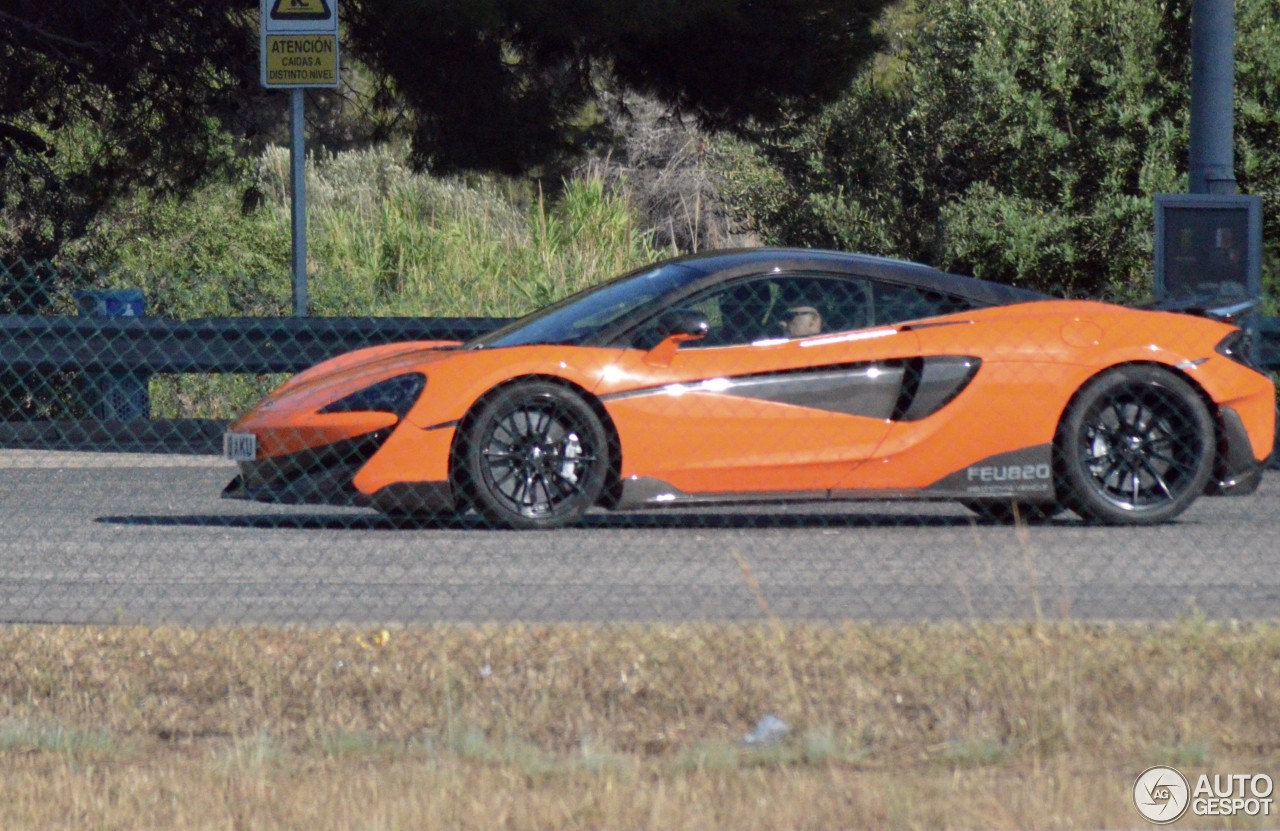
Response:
column 395, row 395
column 1237, row 346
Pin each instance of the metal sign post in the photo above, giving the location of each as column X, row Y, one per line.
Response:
column 1208, row 244
column 298, row 200
column 299, row 40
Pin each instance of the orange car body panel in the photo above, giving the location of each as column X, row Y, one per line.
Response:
column 710, row 441
column 1035, row 357
column 410, row 454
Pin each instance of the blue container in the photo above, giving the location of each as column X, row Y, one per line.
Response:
column 111, row 303
column 117, row 395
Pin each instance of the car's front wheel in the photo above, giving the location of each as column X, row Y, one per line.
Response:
column 1136, row 446
column 534, row 456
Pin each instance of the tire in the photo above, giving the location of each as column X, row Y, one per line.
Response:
column 1136, row 446
column 535, row 456
column 1010, row 512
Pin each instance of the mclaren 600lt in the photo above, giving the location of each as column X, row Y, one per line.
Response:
column 770, row 375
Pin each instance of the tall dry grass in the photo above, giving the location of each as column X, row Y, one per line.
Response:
column 912, row 726
column 382, row 239
column 386, row 240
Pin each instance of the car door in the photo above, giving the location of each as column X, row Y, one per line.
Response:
column 752, row 407
column 913, row 450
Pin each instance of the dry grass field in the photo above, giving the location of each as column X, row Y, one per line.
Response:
column 628, row 727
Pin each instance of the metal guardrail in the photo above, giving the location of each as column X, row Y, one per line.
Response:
column 115, row 358
column 148, row 345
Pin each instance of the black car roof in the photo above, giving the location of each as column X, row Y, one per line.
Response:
column 753, row 260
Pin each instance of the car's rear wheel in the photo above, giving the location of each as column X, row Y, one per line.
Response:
column 1135, row 446
column 1008, row 512
column 535, row 456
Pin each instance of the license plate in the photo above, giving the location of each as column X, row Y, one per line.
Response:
column 240, row 447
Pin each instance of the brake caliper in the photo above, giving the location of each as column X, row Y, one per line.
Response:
column 569, row 466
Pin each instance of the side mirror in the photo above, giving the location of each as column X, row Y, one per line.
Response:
column 675, row 327
column 689, row 324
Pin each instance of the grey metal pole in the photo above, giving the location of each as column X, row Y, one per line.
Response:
column 1211, row 162
column 298, row 198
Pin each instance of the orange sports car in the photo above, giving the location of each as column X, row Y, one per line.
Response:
column 777, row 374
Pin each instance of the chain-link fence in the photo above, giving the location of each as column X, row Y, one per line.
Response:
column 845, row 518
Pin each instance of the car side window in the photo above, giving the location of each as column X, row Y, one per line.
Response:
column 782, row 306
column 737, row 313
column 843, row 303
column 773, row 307
column 896, row 303
column 707, row 305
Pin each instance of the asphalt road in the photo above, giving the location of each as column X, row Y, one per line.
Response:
column 112, row 538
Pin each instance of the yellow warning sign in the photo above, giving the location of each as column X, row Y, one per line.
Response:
column 301, row 10
column 300, row 61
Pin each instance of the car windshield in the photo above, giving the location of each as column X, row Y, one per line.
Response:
column 578, row 317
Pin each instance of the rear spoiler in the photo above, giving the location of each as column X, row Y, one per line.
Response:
column 1231, row 310
column 1262, row 330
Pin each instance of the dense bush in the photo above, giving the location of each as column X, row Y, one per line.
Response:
column 1017, row 140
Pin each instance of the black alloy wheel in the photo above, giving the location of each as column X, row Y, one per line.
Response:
column 1136, row 446
column 535, row 456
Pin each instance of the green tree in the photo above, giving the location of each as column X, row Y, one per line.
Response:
column 1018, row 140
column 97, row 98
column 503, row 84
